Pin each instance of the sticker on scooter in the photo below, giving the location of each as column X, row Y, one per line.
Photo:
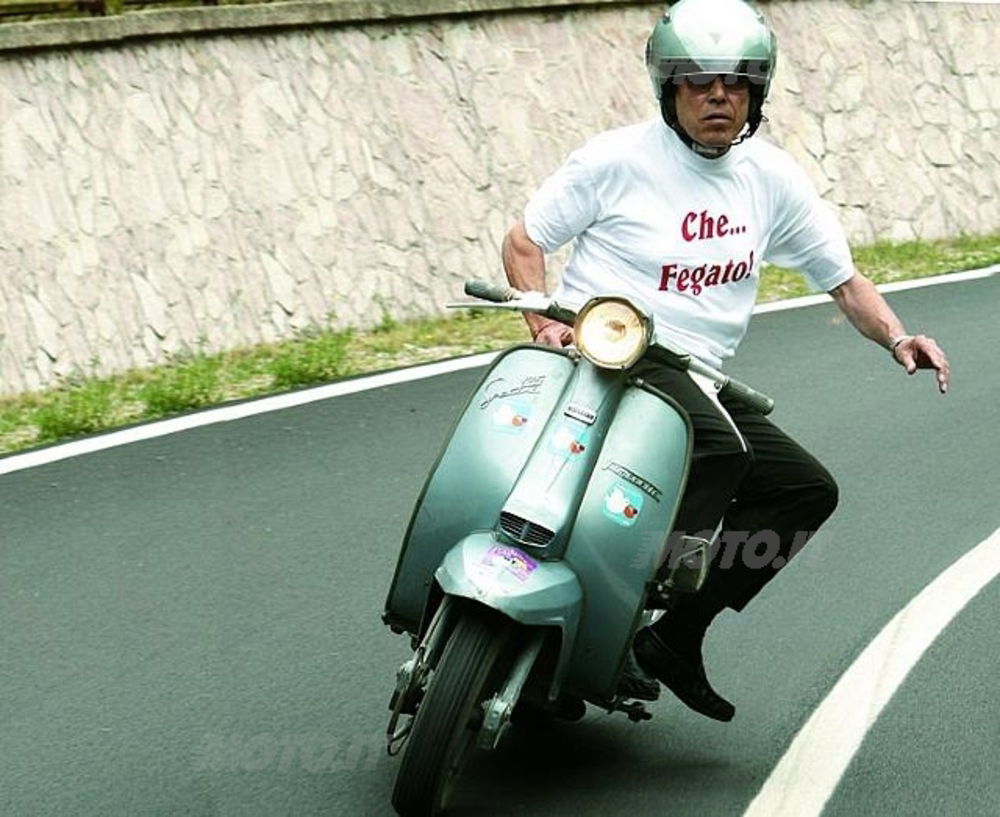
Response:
column 568, row 443
column 513, row 561
column 622, row 504
column 512, row 417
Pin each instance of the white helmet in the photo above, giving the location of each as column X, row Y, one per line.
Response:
column 727, row 37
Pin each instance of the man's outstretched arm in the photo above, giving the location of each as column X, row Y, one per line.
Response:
column 868, row 311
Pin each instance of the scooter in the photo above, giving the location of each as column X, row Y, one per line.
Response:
column 540, row 541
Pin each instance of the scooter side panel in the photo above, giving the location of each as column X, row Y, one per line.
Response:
column 620, row 534
column 482, row 459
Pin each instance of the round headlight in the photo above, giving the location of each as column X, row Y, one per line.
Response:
column 611, row 332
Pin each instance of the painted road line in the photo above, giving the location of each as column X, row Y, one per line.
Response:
column 808, row 773
column 161, row 428
column 896, row 286
column 237, row 411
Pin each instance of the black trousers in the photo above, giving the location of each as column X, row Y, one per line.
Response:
column 770, row 493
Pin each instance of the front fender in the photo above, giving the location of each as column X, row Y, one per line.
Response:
column 529, row 591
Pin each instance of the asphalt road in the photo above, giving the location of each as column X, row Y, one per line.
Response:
column 190, row 625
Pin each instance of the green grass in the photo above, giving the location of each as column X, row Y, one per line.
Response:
column 84, row 404
column 76, row 410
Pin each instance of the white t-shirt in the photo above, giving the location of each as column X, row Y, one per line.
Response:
column 682, row 235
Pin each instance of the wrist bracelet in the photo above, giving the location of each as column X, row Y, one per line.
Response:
column 895, row 341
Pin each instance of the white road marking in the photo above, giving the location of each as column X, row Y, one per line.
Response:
column 161, row 428
column 897, row 286
column 808, row 773
column 223, row 414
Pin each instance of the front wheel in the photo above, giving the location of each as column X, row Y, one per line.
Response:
column 474, row 663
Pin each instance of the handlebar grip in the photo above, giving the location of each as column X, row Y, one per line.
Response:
column 486, row 291
column 756, row 400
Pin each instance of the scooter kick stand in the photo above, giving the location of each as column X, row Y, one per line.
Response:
column 635, row 710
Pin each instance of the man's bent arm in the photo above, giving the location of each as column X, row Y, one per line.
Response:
column 868, row 311
column 524, row 264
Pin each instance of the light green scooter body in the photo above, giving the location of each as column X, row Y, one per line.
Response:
column 484, row 455
column 551, row 503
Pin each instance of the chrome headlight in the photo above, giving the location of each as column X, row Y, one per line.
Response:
column 611, row 332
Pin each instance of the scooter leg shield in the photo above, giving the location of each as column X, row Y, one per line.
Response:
column 487, row 449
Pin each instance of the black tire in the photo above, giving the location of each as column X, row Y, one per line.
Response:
column 474, row 663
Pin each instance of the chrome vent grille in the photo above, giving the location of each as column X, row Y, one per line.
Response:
column 525, row 532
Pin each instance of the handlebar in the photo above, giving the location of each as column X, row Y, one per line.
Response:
column 755, row 400
column 725, row 385
column 495, row 293
column 506, row 297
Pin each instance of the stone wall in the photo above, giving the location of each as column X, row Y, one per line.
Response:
column 218, row 190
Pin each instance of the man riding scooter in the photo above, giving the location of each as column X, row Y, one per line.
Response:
column 678, row 213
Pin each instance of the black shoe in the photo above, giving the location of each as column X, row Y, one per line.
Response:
column 636, row 682
column 686, row 680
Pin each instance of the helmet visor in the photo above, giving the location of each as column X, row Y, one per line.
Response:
column 704, row 71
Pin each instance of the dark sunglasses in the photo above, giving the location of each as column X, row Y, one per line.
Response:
column 729, row 80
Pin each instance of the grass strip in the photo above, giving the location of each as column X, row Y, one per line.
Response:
column 85, row 404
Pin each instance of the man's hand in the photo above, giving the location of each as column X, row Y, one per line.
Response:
column 873, row 317
column 552, row 333
column 921, row 352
